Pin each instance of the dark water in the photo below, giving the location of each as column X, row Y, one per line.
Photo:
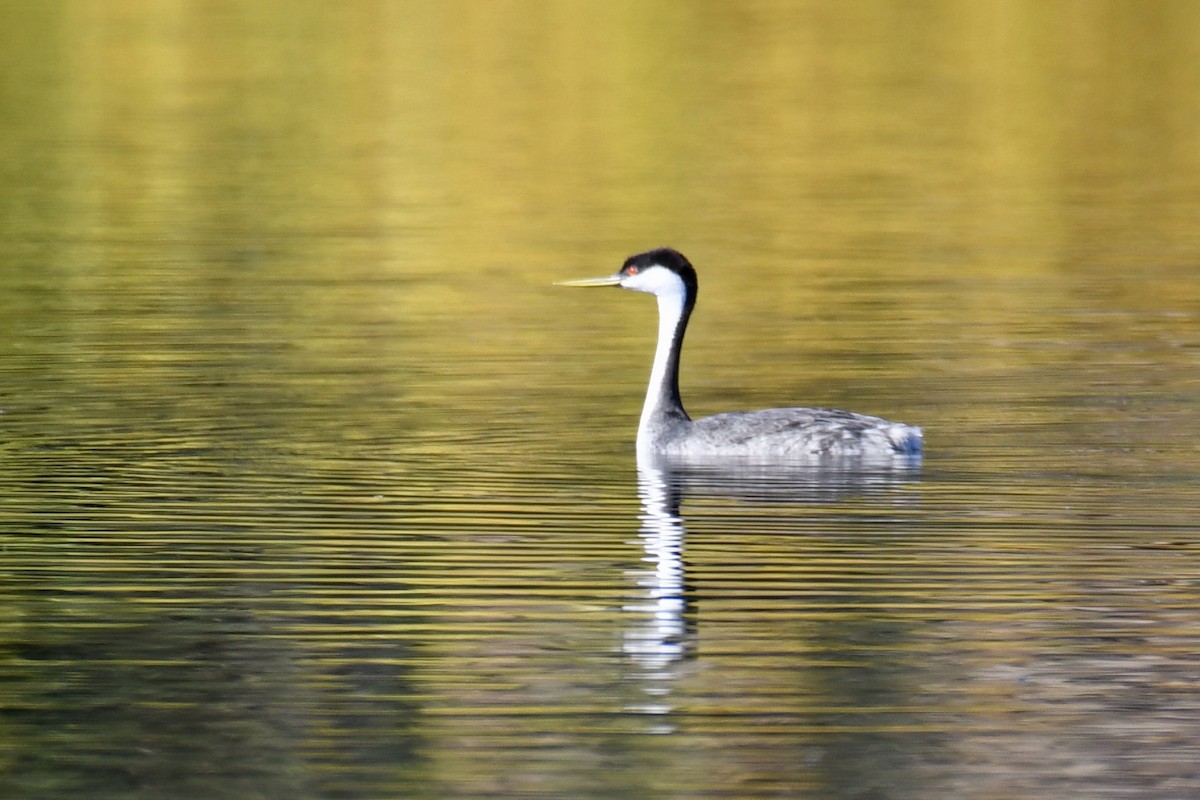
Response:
column 315, row 486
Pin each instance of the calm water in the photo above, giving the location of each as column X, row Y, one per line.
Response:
column 314, row 486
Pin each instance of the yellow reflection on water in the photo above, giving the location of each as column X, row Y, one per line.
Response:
column 480, row 149
column 278, row 311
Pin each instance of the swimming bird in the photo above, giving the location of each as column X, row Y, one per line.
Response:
column 666, row 430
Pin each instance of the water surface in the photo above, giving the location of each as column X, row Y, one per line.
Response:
column 315, row 486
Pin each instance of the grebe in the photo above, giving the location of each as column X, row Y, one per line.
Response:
column 775, row 433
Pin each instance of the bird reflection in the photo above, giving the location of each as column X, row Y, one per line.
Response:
column 663, row 636
column 765, row 481
column 661, row 630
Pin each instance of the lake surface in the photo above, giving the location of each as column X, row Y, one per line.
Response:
column 316, row 486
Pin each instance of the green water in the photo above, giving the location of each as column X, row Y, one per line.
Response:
column 315, row 486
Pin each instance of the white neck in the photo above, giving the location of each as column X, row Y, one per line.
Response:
column 662, row 395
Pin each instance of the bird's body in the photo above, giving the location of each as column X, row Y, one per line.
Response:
column 794, row 434
column 791, row 433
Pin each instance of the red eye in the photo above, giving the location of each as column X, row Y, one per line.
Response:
column 632, row 270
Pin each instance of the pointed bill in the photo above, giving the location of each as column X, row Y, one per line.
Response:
column 607, row 280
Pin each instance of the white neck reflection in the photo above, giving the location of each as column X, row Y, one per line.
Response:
column 657, row 634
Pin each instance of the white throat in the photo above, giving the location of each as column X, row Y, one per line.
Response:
column 661, row 395
column 670, row 309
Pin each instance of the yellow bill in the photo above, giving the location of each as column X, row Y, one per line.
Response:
column 607, row 280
